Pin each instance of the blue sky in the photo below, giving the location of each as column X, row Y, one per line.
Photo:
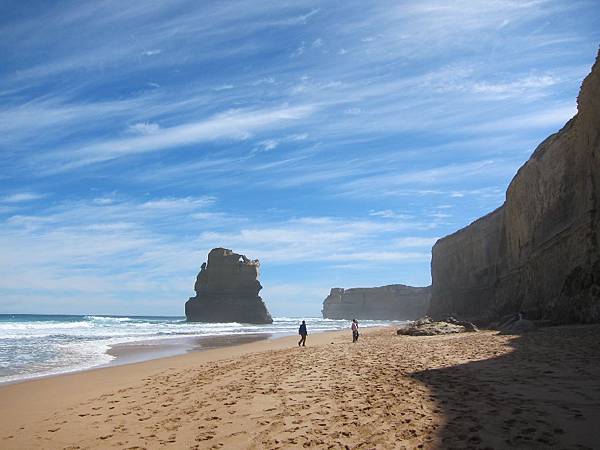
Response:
column 333, row 140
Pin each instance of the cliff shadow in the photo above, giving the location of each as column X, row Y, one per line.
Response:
column 543, row 394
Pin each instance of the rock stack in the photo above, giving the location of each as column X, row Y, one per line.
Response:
column 227, row 291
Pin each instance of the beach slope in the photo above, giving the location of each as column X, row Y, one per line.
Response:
column 475, row 390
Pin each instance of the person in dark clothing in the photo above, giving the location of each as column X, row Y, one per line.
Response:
column 354, row 330
column 302, row 332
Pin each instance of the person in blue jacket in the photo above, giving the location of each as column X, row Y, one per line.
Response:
column 302, row 332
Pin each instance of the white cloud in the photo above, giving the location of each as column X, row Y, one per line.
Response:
column 152, row 52
column 392, row 182
column 319, row 239
column 407, row 242
column 178, row 204
column 519, row 86
column 389, row 214
column 22, row 197
column 261, row 81
column 90, row 246
column 353, row 111
column 551, row 117
column 237, row 125
column 299, row 51
column 223, row 87
column 295, row 20
column 53, row 116
column 103, row 201
column 144, row 128
column 272, row 144
column 269, row 144
column 295, row 299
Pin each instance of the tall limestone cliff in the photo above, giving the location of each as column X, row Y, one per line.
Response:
column 538, row 253
column 393, row 302
column 227, row 291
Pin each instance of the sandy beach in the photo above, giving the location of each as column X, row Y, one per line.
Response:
column 476, row 390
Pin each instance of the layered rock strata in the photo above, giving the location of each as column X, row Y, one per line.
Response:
column 227, row 291
column 393, row 302
column 538, row 253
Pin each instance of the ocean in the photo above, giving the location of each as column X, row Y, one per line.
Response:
column 40, row 345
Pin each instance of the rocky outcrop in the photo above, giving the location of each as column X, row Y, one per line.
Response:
column 393, row 302
column 227, row 291
column 538, row 253
column 428, row 327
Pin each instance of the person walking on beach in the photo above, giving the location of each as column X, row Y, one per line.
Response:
column 302, row 332
column 354, row 330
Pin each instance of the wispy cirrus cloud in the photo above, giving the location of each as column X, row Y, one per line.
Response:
column 20, row 197
column 154, row 29
column 319, row 134
column 553, row 117
column 144, row 128
column 234, row 125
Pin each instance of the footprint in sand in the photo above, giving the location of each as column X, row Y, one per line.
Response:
column 213, row 418
column 205, row 436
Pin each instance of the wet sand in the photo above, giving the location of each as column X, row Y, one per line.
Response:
column 476, row 390
column 133, row 352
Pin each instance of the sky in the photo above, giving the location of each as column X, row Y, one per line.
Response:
column 335, row 141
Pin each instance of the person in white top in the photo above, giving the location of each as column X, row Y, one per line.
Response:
column 354, row 330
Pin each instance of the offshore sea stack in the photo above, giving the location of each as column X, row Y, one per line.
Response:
column 538, row 253
column 227, row 291
column 393, row 302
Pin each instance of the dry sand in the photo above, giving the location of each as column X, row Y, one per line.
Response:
column 478, row 390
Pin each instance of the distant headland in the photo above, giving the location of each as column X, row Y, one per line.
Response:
column 393, row 302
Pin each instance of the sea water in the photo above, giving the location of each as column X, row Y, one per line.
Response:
column 39, row 345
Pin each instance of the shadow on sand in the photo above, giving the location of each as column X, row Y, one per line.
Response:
column 544, row 394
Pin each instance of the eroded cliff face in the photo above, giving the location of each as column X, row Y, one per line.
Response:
column 538, row 253
column 393, row 302
column 227, row 291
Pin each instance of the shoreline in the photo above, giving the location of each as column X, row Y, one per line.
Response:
column 29, row 400
column 537, row 390
column 84, row 343
column 107, row 352
column 54, row 345
column 151, row 349
column 139, row 351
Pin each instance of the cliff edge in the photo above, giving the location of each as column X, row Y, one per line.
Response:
column 227, row 291
column 538, row 253
column 393, row 302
